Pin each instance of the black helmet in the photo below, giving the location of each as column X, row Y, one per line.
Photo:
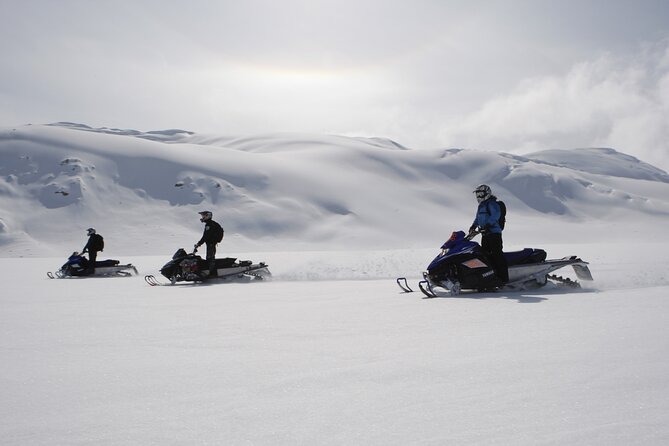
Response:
column 205, row 216
column 90, row 231
column 483, row 192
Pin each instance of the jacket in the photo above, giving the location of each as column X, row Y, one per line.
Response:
column 213, row 233
column 487, row 216
column 95, row 243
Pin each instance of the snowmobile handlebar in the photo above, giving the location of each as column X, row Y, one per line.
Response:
column 473, row 233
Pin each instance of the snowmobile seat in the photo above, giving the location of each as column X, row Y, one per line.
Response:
column 108, row 262
column 226, row 262
column 527, row 255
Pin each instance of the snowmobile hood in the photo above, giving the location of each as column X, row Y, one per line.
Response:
column 457, row 244
column 454, row 246
column 456, row 238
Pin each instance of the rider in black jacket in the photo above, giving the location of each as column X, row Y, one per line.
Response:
column 95, row 243
column 212, row 235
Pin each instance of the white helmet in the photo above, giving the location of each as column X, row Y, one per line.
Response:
column 205, row 216
column 483, row 192
column 90, row 231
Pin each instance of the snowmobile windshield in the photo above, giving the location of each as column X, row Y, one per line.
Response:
column 179, row 254
column 456, row 238
column 457, row 244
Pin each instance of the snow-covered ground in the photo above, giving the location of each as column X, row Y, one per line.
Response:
column 335, row 360
column 329, row 352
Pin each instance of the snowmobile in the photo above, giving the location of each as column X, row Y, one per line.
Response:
column 77, row 266
column 193, row 268
column 462, row 265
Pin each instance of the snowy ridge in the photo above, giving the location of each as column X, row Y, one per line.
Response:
column 293, row 191
column 602, row 161
column 159, row 135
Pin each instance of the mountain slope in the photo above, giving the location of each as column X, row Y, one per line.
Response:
column 142, row 190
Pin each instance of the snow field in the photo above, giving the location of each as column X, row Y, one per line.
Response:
column 330, row 352
column 330, row 361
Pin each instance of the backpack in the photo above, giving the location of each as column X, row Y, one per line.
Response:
column 502, row 213
column 216, row 232
column 97, row 242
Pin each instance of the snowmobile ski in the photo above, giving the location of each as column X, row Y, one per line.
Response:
column 426, row 288
column 153, row 281
column 404, row 285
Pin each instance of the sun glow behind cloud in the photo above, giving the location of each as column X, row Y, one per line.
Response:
column 286, row 98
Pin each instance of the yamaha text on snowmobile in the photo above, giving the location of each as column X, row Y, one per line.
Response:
column 193, row 268
column 462, row 265
column 79, row 266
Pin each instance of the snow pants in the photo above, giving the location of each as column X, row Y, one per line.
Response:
column 211, row 258
column 493, row 248
column 92, row 258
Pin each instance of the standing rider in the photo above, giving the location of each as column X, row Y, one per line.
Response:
column 212, row 235
column 487, row 222
column 95, row 243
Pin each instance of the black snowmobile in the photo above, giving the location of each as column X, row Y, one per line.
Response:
column 193, row 268
column 78, row 266
column 461, row 265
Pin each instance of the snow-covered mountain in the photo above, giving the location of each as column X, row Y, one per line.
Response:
column 142, row 190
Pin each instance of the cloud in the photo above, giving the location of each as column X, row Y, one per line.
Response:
column 424, row 74
column 613, row 101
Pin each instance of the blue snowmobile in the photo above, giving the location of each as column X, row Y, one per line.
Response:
column 78, row 266
column 462, row 265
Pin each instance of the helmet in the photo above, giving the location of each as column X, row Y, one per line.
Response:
column 90, row 231
column 483, row 192
column 205, row 216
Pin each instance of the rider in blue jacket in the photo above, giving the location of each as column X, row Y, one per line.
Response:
column 487, row 222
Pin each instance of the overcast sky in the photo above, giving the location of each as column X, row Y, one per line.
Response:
column 509, row 75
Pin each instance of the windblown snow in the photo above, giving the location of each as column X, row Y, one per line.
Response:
column 329, row 352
